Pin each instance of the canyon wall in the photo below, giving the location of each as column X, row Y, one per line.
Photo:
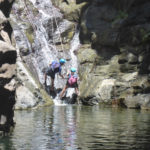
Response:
column 114, row 64
column 7, row 67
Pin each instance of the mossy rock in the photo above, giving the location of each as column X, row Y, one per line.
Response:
column 128, row 68
column 68, row 34
column 71, row 10
column 66, row 47
column 30, row 6
column 29, row 34
column 87, row 55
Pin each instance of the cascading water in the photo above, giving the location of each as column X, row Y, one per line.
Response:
column 47, row 26
column 75, row 44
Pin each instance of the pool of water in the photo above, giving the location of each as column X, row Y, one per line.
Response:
column 79, row 127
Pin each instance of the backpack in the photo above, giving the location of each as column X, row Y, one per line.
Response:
column 72, row 79
column 55, row 65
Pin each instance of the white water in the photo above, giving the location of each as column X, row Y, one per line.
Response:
column 75, row 44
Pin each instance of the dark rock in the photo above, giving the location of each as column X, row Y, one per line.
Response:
column 7, row 69
column 119, row 31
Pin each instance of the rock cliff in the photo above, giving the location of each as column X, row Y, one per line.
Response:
column 7, row 68
column 114, row 62
column 42, row 35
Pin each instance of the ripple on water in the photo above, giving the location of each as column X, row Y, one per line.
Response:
column 79, row 127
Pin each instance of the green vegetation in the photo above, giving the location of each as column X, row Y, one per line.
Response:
column 121, row 15
column 145, row 35
column 68, row 34
column 29, row 34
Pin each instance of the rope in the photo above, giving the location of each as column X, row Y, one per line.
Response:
column 52, row 34
column 62, row 48
column 28, row 15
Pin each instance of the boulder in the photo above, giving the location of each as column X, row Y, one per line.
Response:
column 140, row 101
column 25, row 98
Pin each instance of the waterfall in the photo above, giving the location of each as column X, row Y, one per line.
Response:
column 74, row 45
column 46, row 35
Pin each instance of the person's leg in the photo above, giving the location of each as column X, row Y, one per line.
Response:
column 45, row 78
column 63, row 91
column 76, row 90
column 52, row 75
column 52, row 84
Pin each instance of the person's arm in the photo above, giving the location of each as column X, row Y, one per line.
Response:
column 76, row 76
column 45, row 78
column 68, row 72
column 50, row 63
column 60, row 73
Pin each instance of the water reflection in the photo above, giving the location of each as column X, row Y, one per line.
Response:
column 79, row 127
column 64, row 125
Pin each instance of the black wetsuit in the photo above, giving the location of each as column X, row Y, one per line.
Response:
column 52, row 71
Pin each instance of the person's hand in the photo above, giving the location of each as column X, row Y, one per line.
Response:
column 68, row 71
column 63, row 76
column 50, row 63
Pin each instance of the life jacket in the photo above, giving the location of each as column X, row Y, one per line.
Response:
column 72, row 79
column 55, row 65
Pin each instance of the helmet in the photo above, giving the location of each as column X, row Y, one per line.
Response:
column 62, row 61
column 73, row 69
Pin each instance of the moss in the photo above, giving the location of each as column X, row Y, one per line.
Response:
column 29, row 34
column 30, row 6
column 68, row 34
column 122, row 15
column 145, row 35
column 35, row 12
column 30, row 37
column 87, row 56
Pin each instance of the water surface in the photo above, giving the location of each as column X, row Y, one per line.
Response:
column 79, row 127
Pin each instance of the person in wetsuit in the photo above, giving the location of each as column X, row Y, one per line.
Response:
column 55, row 67
column 71, row 82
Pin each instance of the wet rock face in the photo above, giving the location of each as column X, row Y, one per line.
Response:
column 118, row 33
column 40, row 38
column 7, row 69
